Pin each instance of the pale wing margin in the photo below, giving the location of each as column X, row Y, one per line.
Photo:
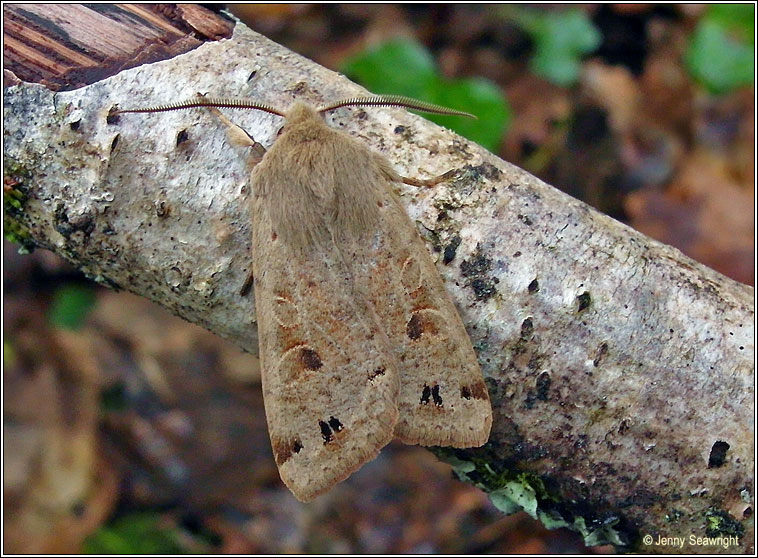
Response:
column 443, row 399
column 330, row 382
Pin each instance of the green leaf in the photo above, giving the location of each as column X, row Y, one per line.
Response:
column 70, row 306
column 561, row 38
column 137, row 533
column 399, row 67
column 404, row 67
column 477, row 96
column 718, row 57
column 739, row 18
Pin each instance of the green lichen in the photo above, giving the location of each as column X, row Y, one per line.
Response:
column 515, row 496
column 15, row 175
column 512, row 491
column 13, row 198
column 18, row 233
column 720, row 523
column 459, row 465
column 552, row 519
column 536, row 483
column 598, row 534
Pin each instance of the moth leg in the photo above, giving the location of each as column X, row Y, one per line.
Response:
column 238, row 136
column 430, row 182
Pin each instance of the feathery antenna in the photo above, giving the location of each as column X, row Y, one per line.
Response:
column 201, row 101
column 372, row 101
column 394, row 101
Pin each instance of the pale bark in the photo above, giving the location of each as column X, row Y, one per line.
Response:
column 615, row 363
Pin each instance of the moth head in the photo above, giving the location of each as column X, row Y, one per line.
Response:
column 299, row 115
column 300, row 111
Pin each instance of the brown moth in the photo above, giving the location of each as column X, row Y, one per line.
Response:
column 359, row 341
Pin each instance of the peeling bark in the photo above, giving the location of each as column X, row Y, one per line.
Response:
column 621, row 372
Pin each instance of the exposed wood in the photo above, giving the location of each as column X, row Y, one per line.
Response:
column 66, row 46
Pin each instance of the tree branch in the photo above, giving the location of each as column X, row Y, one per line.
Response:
column 621, row 372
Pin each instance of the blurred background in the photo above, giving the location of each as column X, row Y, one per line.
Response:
column 128, row 430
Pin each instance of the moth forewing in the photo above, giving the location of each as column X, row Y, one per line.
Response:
column 330, row 381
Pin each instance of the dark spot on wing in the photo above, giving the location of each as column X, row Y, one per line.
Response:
column 378, row 372
column 432, row 393
column 436, row 396
column 542, row 385
column 477, row 270
column 326, row 432
column 310, row 359
column 283, row 449
column 418, row 325
column 415, row 327
column 540, row 392
column 297, row 445
column 335, row 424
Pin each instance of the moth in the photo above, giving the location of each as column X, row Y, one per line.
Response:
column 359, row 341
